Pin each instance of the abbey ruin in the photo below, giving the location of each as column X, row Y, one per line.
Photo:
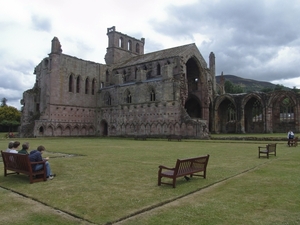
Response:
column 167, row 92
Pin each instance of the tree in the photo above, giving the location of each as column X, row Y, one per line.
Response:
column 267, row 89
column 3, row 102
column 232, row 88
column 278, row 87
column 295, row 89
column 9, row 118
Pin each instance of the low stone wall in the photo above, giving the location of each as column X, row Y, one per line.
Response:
column 250, row 138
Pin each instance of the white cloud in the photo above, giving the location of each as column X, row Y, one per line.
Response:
column 255, row 39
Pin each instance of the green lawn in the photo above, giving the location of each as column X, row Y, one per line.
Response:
column 105, row 180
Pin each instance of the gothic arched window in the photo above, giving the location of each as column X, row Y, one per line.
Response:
column 152, row 95
column 87, row 85
column 257, row 111
column 128, row 97
column 71, row 83
column 93, row 86
column 78, row 84
column 129, row 45
column 286, row 110
column 121, row 42
column 107, row 99
column 158, row 69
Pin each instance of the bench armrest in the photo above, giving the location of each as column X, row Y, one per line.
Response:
column 40, row 162
column 164, row 167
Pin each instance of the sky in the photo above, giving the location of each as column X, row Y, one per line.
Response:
column 253, row 39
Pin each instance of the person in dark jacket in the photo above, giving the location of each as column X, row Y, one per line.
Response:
column 36, row 156
column 24, row 149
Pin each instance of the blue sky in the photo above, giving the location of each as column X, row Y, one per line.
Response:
column 254, row 39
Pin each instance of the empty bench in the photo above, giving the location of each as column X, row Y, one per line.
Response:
column 183, row 168
column 140, row 137
column 20, row 163
column 269, row 149
column 174, row 137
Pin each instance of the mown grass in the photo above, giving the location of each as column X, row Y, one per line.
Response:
column 112, row 179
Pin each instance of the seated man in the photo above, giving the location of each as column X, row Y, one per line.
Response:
column 290, row 136
column 36, row 156
column 24, row 149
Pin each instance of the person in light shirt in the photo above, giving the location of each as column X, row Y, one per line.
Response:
column 10, row 146
column 13, row 147
column 290, row 136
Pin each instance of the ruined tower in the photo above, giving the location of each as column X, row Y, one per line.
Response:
column 122, row 47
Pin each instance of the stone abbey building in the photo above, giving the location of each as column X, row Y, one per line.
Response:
column 168, row 92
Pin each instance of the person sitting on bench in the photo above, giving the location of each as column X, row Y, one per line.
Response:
column 36, row 156
column 290, row 136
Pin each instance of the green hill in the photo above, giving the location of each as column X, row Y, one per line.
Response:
column 248, row 84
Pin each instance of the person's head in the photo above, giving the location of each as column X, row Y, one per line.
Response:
column 10, row 144
column 41, row 148
column 16, row 144
column 25, row 145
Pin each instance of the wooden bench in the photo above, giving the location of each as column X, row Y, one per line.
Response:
column 269, row 149
column 183, row 168
column 293, row 142
column 19, row 163
column 140, row 137
column 174, row 137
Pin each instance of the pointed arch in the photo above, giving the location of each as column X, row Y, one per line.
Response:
column 193, row 107
column 78, row 84
column 193, row 74
column 87, row 83
column 121, row 42
column 284, row 111
column 129, row 45
column 128, row 97
column 135, row 73
column 93, row 86
column 152, row 94
column 225, row 114
column 107, row 98
column 71, row 83
column 107, row 76
column 158, row 69
column 254, row 115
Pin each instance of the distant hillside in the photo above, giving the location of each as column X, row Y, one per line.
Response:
column 247, row 84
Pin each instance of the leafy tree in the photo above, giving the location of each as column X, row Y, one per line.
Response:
column 9, row 118
column 295, row 89
column 3, row 102
column 232, row 88
column 267, row 89
column 278, row 87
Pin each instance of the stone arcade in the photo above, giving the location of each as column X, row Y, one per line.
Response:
column 168, row 92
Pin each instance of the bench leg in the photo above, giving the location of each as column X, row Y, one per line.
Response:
column 159, row 180
column 174, row 182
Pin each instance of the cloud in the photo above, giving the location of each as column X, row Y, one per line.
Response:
column 41, row 24
column 256, row 39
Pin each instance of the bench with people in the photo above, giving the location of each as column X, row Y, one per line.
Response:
column 31, row 164
column 292, row 140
